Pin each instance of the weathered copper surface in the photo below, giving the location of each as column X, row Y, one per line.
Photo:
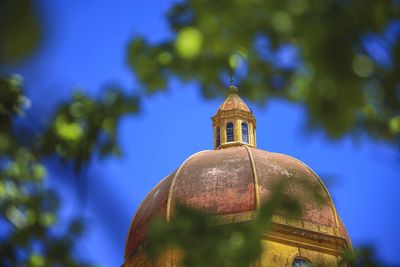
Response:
column 155, row 203
column 301, row 182
column 222, row 182
column 218, row 182
column 233, row 101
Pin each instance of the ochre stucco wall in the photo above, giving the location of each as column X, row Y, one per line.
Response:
column 277, row 254
column 274, row 254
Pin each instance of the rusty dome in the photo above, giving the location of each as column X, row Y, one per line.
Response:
column 230, row 184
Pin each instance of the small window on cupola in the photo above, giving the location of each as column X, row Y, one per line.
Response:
column 230, row 137
column 245, row 136
column 218, row 137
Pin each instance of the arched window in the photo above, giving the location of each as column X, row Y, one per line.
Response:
column 229, row 132
column 245, row 136
column 301, row 262
column 218, row 137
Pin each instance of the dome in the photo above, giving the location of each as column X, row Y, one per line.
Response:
column 230, row 183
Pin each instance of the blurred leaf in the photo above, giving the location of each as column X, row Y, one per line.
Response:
column 188, row 43
column 85, row 126
column 68, row 131
column 364, row 255
column 36, row 260
column 20, row 30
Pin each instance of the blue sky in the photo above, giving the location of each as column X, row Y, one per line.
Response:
column 85, row 47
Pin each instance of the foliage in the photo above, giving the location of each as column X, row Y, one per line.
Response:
column 20, row 30
column 81, row 128
column 84, row 126
column 362, row 256
column 345, row 85
column 220, row 245
column 204, row 242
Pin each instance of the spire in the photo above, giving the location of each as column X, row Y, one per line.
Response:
column 234, row 123
column 233, row 101
column 231, row 76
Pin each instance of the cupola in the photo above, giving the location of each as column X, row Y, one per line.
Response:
column 234, row 123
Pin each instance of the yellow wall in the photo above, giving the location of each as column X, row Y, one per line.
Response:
column 277, row 254
column 274, row 254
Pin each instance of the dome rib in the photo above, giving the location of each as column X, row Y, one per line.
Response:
column 255, row 177
column 171, row 189
column 335, row 215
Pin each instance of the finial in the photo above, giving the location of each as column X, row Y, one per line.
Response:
column 231, row 78
column 233, row 89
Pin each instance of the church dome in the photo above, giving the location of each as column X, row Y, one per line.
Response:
column 230, row 183
column 233, row 180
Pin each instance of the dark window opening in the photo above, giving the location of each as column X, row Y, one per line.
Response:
column 218, row 139
column 229, row 132
column 245, row 136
